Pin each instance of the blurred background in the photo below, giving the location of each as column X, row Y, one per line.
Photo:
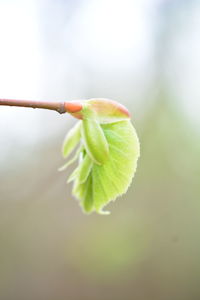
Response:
column 146, row 55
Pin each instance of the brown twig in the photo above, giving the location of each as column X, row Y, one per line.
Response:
column 57, row 106
column 60, row 107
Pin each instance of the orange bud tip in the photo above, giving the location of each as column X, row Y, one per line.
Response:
column 73, row 106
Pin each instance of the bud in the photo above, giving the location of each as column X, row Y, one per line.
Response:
column 102, row 110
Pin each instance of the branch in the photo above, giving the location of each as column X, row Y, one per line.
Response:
column 60, row 107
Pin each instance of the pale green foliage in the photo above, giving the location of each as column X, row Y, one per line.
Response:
column 71, row 140
column 107, row 155
column 96, row 185
column 84, row 169
column 113, row 178
column 94, row 141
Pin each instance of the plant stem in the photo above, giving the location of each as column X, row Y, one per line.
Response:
column 60, row 107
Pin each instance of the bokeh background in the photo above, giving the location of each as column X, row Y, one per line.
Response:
column 146, row 55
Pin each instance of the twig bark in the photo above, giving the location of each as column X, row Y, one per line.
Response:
column 60, row 107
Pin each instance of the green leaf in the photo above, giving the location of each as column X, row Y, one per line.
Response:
column 111, row 179
column 108, row 153
column 94, row 141
column 73, row 175
column 87, row 201
column 71, row 140
column 84, row 169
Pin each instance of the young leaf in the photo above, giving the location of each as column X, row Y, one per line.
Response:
column 108, row 157
column 87, row 199
column 94, row 141
column 71, row 140
column 113, row 178
column 84, row 169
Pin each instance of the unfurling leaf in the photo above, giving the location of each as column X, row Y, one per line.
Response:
column 71, row 140
column 94, row 141
column 84, row 169
column 108, row 157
